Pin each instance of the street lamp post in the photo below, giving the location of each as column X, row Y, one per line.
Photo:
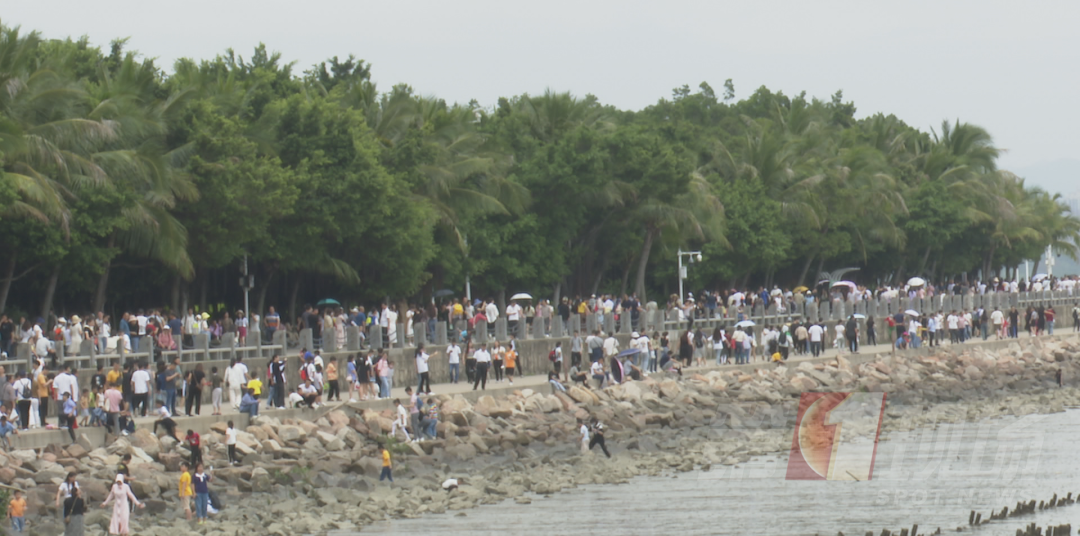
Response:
column 692, row 256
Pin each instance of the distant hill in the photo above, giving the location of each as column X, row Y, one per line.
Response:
column 1056, row 176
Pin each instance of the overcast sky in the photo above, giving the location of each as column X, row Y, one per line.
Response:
column 1008, row 66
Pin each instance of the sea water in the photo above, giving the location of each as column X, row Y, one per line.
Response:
column 932, row 477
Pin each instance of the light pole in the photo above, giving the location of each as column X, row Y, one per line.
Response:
column 693, row 256
column 1049, row 262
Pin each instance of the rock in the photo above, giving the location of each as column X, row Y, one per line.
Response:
column 157, row 506
column 7, row 475
column 144, row 439
column 119, row 447
column 260, row 480
column 669, row 388
column 24, row 456
column 582, row 396
column 219, row 427
column 77, row 451
column 291, row 433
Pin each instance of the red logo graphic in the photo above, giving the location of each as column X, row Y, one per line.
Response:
column 836, row 436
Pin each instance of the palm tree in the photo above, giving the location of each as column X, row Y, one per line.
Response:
column 141, row 169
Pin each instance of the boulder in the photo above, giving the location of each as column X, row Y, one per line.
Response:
column 583, row 396
column 144, row 439
column 77, row 451
column 670, row 388
column 260, row 480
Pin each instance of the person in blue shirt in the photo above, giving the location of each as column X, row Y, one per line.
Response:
column 70, row 414
column 249, row 404
column 201, row 481
column 125, row 329
column 6, row 429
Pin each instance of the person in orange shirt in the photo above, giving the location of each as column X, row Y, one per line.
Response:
column 510, row 362
column 16, row 512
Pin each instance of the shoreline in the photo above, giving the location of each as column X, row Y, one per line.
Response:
column 526, row 442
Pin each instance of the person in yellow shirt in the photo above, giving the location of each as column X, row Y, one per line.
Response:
column 113, row 377
column 333, row 389
column 255, row 384
column 187, row 490
column 510, row 362
column 386, row 468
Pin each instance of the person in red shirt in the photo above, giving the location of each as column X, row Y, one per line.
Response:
column 193, row 443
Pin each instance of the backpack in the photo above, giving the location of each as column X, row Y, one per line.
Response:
column 783, row 337
column 303, row 373
column 25, row 390
column 551, row 356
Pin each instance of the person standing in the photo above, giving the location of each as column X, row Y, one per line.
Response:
column 74, row 508
column 277, row 381
column 187, row 491
column 201, row 481
column 816, row 333
column 453, row 359
column 70, row 415
column 140, row 389
column 422, row 370
column 196, row 380
column 16, row 512
column 852, row 334
column 483, row 361
column 401, row 419
column 230, row 443
column 23, row 389
column 584, row 430
column 871, row 334
column 333, row 387
column 194, row 444
column 271, row 321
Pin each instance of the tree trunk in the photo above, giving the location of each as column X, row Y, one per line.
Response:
column 260, row 304
column 203, row 277
column 805, row 268
column 820, row 269
column 643, row 262
column 174, row 300
column 9, row 275
column 557, row 293
column 103, row 280
column 625, row 277
column 1035, row 267
column 50, row 292
column 925, row 257
column 295, row 291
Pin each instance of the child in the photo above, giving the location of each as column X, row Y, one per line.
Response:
column 186, row 490
column 6, row 429
column 230, row 442
column 84, row 407
column 195, row 446
column 97, row 408
column 16, row 512
column 777, row 358
column 215, row 396
column 255, row 385
column 386, row 468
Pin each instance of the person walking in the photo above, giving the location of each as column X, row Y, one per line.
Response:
column 598, row 437
column 119, row 495
column 483, row 361
column 387, row 468
column 236, row 378
column 74, row 508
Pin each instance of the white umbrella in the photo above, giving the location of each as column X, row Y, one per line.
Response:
column 745, row 323
column 912, row 312
column 859, row 316
column 848, row 284
column 1038, row 277
column 916, row 282
column 520, row 296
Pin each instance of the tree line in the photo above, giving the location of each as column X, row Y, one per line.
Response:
column 127, row 186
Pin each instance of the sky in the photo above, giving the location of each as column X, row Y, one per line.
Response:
column 1007, row 66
